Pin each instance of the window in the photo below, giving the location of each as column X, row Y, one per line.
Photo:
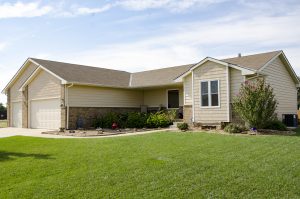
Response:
column 210, row 93
column 173, row 99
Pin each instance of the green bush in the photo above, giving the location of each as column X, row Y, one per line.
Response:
column 171, row 115
column 183, row 126
column 159, row 119
column 255, row 103
column 234, row 128
column 133, row 120
column 275, row 125
column 136, row 120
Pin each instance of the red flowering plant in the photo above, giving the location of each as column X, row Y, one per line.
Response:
column 255, row 103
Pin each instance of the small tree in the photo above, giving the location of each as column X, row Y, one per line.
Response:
column 256, row 103
column 2, row 112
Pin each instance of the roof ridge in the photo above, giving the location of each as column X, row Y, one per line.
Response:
column 163, row 68
column 80, row 65
column 243, row 56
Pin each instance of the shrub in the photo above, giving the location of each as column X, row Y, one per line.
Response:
column 234, row 128
column 98, row 122
column 171, row 115
column 256, row 103
column 136, row 120
column 275, row 125
column 159, row 119
column 183, row 126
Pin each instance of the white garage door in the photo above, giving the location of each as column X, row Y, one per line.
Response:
column 17, row 114
column 45, row 114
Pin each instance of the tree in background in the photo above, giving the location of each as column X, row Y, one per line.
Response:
column 3, row 112
column 256, row 103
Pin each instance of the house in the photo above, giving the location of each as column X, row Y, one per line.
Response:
column 49, row 94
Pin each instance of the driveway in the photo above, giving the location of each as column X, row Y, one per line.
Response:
column 10, row 131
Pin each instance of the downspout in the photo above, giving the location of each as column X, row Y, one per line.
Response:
column 67, row 102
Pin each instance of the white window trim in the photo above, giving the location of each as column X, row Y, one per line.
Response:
column 167, row 93
column 209, row 94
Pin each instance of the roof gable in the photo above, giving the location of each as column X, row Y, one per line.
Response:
column 245, row 71
column 74, row 73
column 255, row 61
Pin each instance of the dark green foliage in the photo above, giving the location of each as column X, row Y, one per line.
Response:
column 276, row 125
column 3, row 112
column 159, row 119
column 256, row 103
column 183, row 126
column 107, row 120
column 234, row 128
column 136, row 120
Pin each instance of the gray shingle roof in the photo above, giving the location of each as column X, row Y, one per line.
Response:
column 74, row 73
column 86, row 74
column 162, row 76
column 252, row 61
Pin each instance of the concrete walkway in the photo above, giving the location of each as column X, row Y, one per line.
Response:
column 8, row 132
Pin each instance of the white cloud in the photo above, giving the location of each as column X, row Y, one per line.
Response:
column 172, row 5
column 2, row 46
column 19, row 9
column 189, row 43
column 84, row 10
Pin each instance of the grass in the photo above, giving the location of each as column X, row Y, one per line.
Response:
column 160, row 165
column 3, row 123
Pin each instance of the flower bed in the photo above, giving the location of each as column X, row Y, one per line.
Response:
column 100, row 132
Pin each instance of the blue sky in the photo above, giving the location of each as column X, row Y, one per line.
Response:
column 135, row 35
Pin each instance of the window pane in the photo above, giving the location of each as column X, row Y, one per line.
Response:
column 204, row 100
column 214, row 86
column 214, row 100
column 173, row 99
column 204, row 88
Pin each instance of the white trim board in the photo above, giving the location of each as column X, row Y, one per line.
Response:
column 245, row 71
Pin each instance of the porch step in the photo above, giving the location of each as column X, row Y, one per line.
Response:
column 174, row 125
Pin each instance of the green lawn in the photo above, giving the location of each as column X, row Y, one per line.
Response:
column 3, row 123
column 161, row 165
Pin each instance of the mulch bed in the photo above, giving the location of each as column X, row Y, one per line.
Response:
column 102, row 132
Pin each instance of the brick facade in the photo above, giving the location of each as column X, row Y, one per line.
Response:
column 88, row 114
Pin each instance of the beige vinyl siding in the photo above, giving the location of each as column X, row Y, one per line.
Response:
column 211, row 71
column 86, row 96
column 44, row 85
column 16, row 95
column 187, row 85
column 284, row 87
column 158, row 97
column 236, row 79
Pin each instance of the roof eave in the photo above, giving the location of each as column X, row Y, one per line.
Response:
column 290, row 68
column 244, row 70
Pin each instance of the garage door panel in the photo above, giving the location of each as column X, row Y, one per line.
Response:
column 17, row 114
column 45, row 114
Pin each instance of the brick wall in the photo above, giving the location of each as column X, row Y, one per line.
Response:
column 88, row 114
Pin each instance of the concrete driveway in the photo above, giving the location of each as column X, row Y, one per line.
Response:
column 10, row 131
